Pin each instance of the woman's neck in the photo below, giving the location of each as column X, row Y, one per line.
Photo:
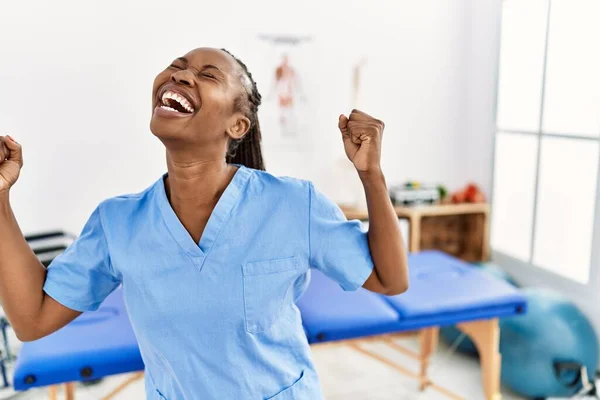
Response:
column 196, row 183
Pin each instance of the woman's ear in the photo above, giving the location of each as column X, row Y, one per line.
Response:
column 239, row 128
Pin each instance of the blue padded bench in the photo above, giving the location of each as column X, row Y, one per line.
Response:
column 443, row 290
column 94, row 345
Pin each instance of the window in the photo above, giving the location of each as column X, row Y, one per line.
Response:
column 548, row 135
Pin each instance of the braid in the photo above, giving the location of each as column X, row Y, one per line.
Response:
column 247, row 150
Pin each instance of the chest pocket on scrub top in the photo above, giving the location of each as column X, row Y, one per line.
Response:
column 268, row 288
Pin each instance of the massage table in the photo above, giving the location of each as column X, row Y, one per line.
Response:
column 94, row 345
column 443, row 290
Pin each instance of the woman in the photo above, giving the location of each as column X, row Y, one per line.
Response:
column 213, row 255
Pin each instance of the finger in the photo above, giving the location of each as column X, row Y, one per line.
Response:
column 4, row 152
column 355, row 136
column 363, row 132
column 342, row 123
column 365, row 128
column 364, row 125
column 343, row 126
column 357, row 115
column 16, row 153
column 364, row 122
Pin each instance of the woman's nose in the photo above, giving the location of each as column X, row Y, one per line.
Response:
column 183, row 77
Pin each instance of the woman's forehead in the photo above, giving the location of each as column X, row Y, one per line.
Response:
column 208, row 55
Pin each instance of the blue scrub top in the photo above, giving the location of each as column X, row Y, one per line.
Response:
column 216, row 319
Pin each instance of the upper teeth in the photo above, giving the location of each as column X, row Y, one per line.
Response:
column 178, row 98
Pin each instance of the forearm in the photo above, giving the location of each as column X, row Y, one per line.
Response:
column 21, row 274
column 385, row 239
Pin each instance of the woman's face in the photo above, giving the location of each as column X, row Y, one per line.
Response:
column 193, row 99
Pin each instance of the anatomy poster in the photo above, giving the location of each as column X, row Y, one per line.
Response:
column 284, row 80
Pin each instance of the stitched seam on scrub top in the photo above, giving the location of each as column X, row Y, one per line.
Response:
column 309, row 220
column 228, row 216
column 283, row 302
column 175, row 239
column 161, row 208
column 246, row 324
column 110, row 265
column 74, row 301
column 294, row 259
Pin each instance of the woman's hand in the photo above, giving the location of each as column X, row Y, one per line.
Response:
column 11, row 162
column 362, row 140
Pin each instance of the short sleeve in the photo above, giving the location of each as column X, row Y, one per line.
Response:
column 82, row 277
column 339, row 248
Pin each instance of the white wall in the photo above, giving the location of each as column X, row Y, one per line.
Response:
column 76, row 79
column 482, row 61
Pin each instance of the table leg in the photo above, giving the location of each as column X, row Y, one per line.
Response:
column 53, row 392
column 414, row 242
column 486, row 336
column 122, row 386
column 70, row 391
column 429, row 341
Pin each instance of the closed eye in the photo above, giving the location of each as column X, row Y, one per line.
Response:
column 175, row 66
column 208, row 75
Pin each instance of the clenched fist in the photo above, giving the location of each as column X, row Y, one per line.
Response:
column 11, row 161
column 362, row 140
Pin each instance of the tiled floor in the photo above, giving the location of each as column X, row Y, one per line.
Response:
column 349, row 375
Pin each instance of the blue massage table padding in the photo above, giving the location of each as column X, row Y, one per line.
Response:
column 442, row 286
column 443, row 290
column 358, row 314
column 104, row 338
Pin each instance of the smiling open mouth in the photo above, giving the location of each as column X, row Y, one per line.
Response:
column 172, row 101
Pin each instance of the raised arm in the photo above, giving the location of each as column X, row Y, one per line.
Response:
column 31, row 312
column 362, row 136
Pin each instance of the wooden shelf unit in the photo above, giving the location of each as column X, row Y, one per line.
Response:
column 461, row 230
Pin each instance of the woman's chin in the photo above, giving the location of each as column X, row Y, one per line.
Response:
column 167, row 126
column 164, row 129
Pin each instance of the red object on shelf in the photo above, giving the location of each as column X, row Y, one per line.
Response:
column 470, row 194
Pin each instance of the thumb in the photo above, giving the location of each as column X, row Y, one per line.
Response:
column 14, row 148
column 343, row 123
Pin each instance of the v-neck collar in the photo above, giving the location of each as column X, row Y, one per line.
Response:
column 229, row 198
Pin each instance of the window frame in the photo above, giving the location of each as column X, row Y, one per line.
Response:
column 527, row 272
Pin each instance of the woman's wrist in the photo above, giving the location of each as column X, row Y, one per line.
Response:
column 5, row 209
column 372, row 177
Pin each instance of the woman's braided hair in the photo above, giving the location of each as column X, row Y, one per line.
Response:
column 247, row 150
